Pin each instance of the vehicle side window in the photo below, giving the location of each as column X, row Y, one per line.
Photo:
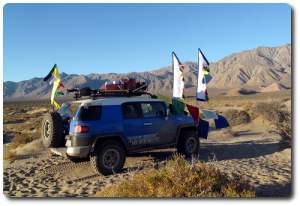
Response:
column 131, row 111
column 153, row 109
column 89, row 113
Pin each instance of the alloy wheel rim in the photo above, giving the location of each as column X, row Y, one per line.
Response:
column 111, row 157
column 191, row 145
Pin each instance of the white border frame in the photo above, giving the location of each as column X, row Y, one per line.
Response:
column 231, row 202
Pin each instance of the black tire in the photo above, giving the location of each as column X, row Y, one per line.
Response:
column 188, row 144
column 52, row 130
column 108, row 158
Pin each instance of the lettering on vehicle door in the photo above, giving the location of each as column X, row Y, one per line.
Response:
column 144, row 139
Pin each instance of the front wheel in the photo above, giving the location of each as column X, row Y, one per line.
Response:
column 109, row 158
column 188, row 144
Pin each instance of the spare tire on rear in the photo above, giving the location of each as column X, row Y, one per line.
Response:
column 52, row 130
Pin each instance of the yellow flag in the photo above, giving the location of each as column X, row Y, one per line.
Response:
column 55, row 86
column 56, row 76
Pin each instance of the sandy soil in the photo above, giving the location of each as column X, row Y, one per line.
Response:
column 265, row 163
column 49, row 175
column 258, row 157
column 250, row 150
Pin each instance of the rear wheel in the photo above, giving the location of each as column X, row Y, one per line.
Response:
column 188, row 144
column 109, row 157
column 52, row 130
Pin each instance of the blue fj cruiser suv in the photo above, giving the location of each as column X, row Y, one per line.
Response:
column 106, row 130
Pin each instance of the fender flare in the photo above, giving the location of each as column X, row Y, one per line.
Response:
column 184, row 127
column 118, row 137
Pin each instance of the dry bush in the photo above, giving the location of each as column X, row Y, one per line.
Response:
column 24, row 123
column 279, row 118
column 22, row 144
column 21, row 139
column 236, row 117
column 8, row 153
column 31, row 127
column 248, row 107
column 284, row 128
column 31, row 148
column 269, row 110
column 179, row 178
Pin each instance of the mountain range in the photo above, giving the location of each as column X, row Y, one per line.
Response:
column 262, row 69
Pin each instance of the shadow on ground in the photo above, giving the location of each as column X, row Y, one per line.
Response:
column 245, row 133
column 209, row 151
column 157, row 156
column 238, row 150
column 274, row 190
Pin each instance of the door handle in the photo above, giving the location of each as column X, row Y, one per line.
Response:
column 147, row 124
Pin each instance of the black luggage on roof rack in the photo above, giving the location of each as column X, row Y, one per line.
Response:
column 123, row 91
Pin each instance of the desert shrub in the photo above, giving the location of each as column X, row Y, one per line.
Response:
column 8, row 153
column 284, row 126
column 21, row 144
column 236, row 117
column 179, row 178
column 32, row 148
column 32, row 127
column 279, row 118
column 248, row 107
column 269, row 110
column 21, row 139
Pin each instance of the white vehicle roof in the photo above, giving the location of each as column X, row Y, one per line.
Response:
column 115, row 101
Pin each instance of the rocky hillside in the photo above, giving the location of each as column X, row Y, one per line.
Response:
column 252, row 69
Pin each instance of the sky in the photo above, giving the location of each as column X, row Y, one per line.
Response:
column 120, row 38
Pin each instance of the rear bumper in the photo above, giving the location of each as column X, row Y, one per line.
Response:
column 80, row 152
column 78, row 146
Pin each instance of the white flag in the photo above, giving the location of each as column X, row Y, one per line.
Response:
column 203, row 77
column 178, row 80
column 209, row 114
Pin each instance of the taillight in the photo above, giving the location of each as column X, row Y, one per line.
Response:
column 81, row 129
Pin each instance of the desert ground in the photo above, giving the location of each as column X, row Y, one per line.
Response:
column 251, row 148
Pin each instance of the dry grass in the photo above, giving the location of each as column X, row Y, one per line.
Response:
column 29, row 149
column 236, row 117
column 271, row 111
column 22, row 139
column 180, row 178
column 9, row 154
column 285, row 131
column 22, row 120
column 278, row 116
column 284, row 128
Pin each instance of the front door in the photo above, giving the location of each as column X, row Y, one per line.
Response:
column 156, row 123
column 134, row 128
column 146, row 125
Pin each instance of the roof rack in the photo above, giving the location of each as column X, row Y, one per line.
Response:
column 100, row 93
